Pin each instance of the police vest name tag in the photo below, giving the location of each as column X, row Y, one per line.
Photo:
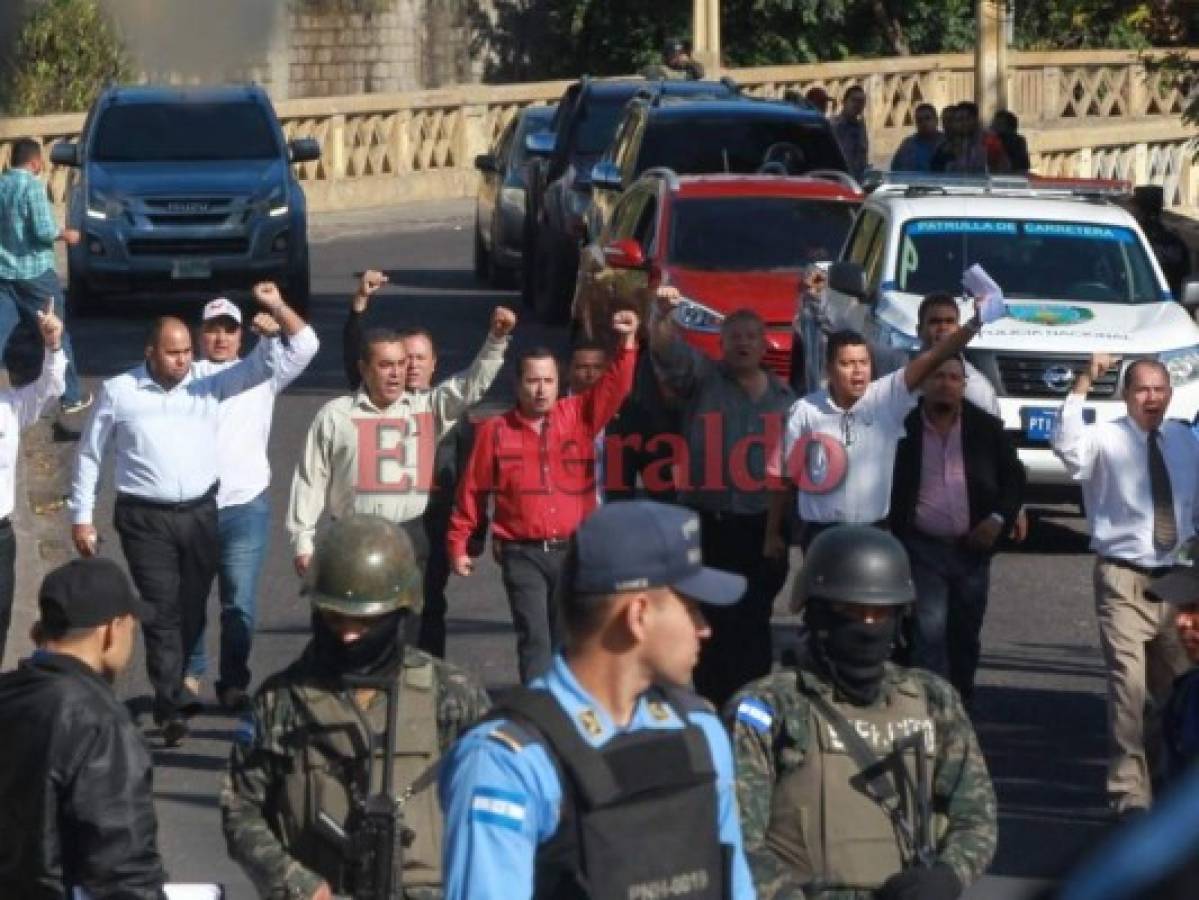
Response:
column 883, row 736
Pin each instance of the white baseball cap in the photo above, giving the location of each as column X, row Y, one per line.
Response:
column 222, row 306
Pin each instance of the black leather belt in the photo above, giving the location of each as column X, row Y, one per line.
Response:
column 546, row 545
column 165, row 506
column 1147, row 571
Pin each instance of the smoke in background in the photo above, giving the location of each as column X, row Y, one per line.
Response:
column 206, row 40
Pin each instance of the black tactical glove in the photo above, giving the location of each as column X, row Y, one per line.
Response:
column 936, row 883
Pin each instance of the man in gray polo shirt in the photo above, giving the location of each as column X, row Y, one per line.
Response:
column 733, row 407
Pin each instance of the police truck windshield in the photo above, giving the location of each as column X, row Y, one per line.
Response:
column 771, row 232
column 1028, row 259
column 184, row 132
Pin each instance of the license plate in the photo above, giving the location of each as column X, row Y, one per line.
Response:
column 1039, row 421
column 191, row 268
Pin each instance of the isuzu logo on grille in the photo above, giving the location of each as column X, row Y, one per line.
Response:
column 1058, row 378
column 178, row 206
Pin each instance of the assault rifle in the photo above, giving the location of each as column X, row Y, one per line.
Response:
column 375, row 832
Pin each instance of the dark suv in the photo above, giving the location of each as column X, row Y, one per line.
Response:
column 560, row 182
column 738, row 137
column 185, row 190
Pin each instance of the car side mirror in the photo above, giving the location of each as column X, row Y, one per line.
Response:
column 541, row 143
column 625, row 254
column 303, row 150
column 848, row 278
column 1190, row 294
column 65, row 153
column 485, row 162
column 606, row 176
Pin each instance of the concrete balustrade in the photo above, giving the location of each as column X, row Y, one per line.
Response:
column 1086, row 113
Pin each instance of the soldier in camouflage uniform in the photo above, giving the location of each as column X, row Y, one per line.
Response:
column 302, row 752
column 813, row 827
column 677, row 64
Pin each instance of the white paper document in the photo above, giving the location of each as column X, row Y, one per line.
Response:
column 988, row 296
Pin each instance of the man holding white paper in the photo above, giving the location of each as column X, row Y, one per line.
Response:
column 865, row 419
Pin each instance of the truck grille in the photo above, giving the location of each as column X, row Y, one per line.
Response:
column 189, row 247
column 173, row 212
column 1049, row 376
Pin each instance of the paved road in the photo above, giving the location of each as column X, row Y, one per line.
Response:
column 1040, row 709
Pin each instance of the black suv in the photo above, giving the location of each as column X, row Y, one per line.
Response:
column 743, row 136
column 185, row 190
column 560, row 180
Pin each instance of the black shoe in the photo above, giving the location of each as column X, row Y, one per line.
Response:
column 174, row 731
column 233, row 700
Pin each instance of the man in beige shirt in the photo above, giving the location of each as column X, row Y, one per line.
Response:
column 372, row 452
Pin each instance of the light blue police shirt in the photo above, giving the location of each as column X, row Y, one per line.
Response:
column 501, row 802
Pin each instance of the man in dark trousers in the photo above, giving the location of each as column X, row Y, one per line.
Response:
column 537, row 461
column 450, row 459
column 957, row 489
column 78, row 811
column 160, row 421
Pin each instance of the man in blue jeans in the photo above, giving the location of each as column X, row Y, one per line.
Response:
column 28, row 232
column 243, row 504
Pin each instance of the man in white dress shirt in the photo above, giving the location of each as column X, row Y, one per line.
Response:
column 1139, row 474
column 242, row 500
column 20, row 408
column 862, row 422
column 162, row 422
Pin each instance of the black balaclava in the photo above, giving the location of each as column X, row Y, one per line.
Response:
column 376, row 652
column 851, row 652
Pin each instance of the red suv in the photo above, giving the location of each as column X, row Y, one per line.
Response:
column 725, row 241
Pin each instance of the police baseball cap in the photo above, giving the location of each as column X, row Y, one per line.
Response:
column 640, row 544
column 87, row 593
column 219, row 307
column 1179, row 586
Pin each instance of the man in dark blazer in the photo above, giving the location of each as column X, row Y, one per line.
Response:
column 958, row 487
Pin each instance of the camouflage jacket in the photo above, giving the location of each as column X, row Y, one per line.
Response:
column 263, row 750
column 962, row 790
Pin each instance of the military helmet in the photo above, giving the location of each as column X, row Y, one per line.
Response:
column 855, row 564
column 364, row 566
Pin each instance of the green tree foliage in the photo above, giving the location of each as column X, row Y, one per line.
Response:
column 65, row 53
column 532, row 39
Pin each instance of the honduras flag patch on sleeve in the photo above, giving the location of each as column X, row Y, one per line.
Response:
column 491, row 806
column 756, row 714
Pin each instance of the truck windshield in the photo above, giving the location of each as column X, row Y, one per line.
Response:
column 708, row 144
column 771, row 233
column 184, row 132
column 1028, row 259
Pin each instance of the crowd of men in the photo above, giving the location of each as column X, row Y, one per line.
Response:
column 641, row 516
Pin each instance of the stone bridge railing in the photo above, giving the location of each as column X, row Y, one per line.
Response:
column 1089, row 113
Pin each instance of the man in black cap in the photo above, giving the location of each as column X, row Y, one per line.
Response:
column 78, row 812
column 606, row 777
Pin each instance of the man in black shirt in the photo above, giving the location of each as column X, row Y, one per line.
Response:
column 78, row 811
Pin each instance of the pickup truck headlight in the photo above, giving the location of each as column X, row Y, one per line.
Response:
column 1182, row 364
column 697, row 317
column 101, row 208
column 900, row 340
column 275, row 203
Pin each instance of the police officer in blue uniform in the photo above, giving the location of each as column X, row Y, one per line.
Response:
column 605, row 777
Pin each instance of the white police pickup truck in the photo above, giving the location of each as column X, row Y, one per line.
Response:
column 1077, row 274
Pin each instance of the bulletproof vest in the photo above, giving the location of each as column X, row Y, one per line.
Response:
column 329, row 760
column 823, row 820
column 638, row 815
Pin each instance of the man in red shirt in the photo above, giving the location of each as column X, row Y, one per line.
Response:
column 538, row 461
